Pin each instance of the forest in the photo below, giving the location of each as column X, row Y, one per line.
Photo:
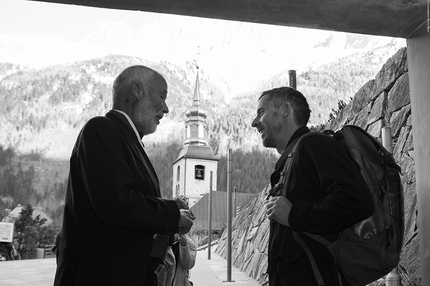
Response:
column 42, row 111
column 251, row 171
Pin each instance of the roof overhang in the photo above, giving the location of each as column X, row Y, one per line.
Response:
column 393, row 18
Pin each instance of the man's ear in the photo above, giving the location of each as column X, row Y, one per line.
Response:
column 287, row 109
column 135, row 88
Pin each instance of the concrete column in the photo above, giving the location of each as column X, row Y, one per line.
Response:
column 418, row 50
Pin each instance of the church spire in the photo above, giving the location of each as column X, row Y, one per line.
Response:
column 195, row 124
column 196, row 99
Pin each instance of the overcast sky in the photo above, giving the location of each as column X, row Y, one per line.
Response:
column 39, row 34
column 71, row 22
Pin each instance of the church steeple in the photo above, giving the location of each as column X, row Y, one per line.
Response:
column 195, row 124
column 196, row 99
column 195, row 169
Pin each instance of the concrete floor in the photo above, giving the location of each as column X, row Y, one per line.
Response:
column 40, row 272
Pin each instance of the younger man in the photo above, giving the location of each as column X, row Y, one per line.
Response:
column 329, row 193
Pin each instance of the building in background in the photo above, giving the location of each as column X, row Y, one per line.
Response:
column 195, row 169
column 219, row 211
column 13, row 215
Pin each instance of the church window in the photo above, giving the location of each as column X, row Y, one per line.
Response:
column 199, row 172
column 178, row 175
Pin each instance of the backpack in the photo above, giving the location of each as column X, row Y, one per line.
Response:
column 370, row 249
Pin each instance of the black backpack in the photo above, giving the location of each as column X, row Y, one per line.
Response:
column 371, row 248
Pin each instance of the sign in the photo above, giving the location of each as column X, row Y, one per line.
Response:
column 6, row 231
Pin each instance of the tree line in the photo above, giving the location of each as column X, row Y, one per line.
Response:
column 17, row 185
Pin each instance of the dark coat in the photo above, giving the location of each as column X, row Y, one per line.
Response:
column 329, row 195
column 112, row 208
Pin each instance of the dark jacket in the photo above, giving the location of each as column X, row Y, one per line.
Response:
column 112, row 208
column 329, row 195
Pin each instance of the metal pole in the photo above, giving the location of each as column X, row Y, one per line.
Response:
column 292, row 79
column 235, row 204
column 210, row 219
column 393, row 278
column 229, row 191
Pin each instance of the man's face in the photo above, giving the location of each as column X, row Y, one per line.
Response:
column 148, row 111
column 268, row 122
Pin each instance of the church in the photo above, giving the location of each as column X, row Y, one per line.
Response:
column 195, row 169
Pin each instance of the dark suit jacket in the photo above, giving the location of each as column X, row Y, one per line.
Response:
column 112, row 208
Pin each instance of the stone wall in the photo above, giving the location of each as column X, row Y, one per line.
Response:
column 383, row 101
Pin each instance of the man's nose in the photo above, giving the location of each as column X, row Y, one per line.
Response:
column 165, row 108
column 255, row 122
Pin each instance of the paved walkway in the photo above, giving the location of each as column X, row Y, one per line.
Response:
column 40, row 272
column 213, row 272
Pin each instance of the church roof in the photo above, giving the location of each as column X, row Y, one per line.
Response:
column 196, row 109
column 219, row 209
column 197, row 152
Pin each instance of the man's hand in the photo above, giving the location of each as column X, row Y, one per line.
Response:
column 278, row 209
column 181, row 204
column 182, row 239
column 185, row 221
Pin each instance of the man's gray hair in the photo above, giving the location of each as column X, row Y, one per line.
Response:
column 133, row 73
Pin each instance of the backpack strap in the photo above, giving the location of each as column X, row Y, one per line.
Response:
column 286, row 173
column 292, row 151
column 285, row 176
column 279, row 188
column 308, row 252
column 315, row 269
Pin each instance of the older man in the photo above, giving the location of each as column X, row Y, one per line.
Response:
column 113, row 212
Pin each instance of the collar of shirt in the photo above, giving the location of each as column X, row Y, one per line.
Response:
column 131, row 124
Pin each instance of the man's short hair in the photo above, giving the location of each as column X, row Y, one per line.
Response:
column 281, row 95
column 127, row 76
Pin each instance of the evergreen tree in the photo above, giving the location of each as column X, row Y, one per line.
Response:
column 32, row 233
column 16, row 182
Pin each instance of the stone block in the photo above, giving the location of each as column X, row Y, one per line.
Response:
column 360, row 121
column 400, row 142
column 394, row 67
column 399, row 94
column 399, row 118
column 375, row 129
column 262, row 238
column 409, row 266
column 377, row 109
column 408, row 170
column 364, row 95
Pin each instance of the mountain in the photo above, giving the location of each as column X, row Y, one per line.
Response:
column 42, row 110
column 241, row 54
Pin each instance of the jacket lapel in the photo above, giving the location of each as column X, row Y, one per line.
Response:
column 135, row 145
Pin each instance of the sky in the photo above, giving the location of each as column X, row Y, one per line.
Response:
column 40, row 34
column 70, row 21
